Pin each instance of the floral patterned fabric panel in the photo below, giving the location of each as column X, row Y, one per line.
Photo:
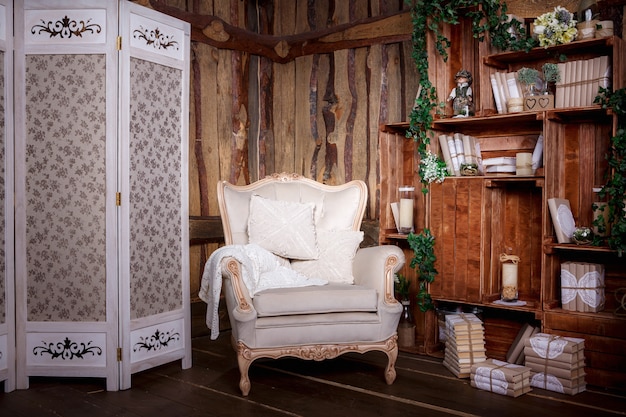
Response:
column 65, row 187
column 155, row 187
column 2, row 191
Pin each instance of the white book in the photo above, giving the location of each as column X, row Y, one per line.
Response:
column 498, row 78
column 468, row 150
column 500, row 168
column 479, row 156
column 496, row 93
column 589, row 93
column 445, row 152
column 596, row 78
column 562, row 219
column 519, row 85
column 512, row 85
column 453, row 156
column 560, row 89
column 395, row 212
column 567, row 90
column 505, row 90
column 500, row 160
column 578, row 87
column 537, row 158
column 605, row 72
column 458, row 143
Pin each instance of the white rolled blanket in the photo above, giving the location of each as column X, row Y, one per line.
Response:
column 261, row 270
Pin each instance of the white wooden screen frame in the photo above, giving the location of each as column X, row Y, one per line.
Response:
column 7, row 328
column 131, row 331
column 116, row 333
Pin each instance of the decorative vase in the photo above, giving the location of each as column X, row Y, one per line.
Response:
column 406, row 326
column 582, row 236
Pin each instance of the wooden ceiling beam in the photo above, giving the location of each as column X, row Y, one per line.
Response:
column 214, row 31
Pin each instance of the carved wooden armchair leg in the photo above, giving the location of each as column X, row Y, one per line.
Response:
column 244, row 365
column 392, row 354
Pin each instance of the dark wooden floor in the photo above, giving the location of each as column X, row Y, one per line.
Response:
column 346, row 386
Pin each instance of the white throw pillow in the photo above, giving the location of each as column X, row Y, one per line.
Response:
column 337, row 250
column 285, row 228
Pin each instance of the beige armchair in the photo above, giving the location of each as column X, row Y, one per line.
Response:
column 355, row 311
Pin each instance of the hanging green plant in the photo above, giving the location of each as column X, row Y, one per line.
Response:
column 428, row 16
column 615, row 187
column 423, row 246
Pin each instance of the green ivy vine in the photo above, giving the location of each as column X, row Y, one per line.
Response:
column 615, row 187
column 428, row 16
column 423, row 246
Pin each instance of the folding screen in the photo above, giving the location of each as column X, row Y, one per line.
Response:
column 102, row 274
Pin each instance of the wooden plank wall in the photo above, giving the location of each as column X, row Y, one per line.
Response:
column 317, row 114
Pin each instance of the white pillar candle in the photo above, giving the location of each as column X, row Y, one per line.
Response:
column 509, row 277
column 406, row 215
column 406, row 208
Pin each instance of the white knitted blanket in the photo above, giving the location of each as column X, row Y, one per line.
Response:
column 261, row 270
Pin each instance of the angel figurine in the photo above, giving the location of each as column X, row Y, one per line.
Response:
column 461, row 95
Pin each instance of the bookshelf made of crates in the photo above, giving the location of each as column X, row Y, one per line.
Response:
column 476, row 219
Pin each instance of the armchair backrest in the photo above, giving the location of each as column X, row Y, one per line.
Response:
column 337, row 207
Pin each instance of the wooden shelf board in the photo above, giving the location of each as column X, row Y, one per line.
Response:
column 399, row 127
column 582, row 248
column 521, row 123
column 600, row 314
column 532, row 306
column 595, row 46
column 399, row 236
column 578, row 114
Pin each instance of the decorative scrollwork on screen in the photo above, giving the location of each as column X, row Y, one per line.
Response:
column 66, row 28
column 155, row 38
column 67, row 349
column 158, row 340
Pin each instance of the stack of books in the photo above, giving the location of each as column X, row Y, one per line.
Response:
column 557, row 363
column 508, row 164
column 465, row 343
column 582, row 286
column 580, row 81
column 505, row 86
column 500, row 164
column 459, row 150
column 501, row 378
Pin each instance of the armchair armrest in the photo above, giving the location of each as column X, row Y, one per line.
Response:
column 232, row 270
column 241, row 311
column 375, row 267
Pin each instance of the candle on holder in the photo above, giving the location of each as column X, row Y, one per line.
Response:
column 406, row 208
column 509, row 277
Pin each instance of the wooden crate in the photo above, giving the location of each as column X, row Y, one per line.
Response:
column 513, row 213
column 475, row 221
column 398, row 164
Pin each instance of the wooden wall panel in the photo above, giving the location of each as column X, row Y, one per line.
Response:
column 243, row 128
column 456, row 222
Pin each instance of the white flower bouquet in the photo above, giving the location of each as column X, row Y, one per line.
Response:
column 555, row 28
column 432, row 168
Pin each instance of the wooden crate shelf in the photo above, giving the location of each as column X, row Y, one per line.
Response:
column 475, row 219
